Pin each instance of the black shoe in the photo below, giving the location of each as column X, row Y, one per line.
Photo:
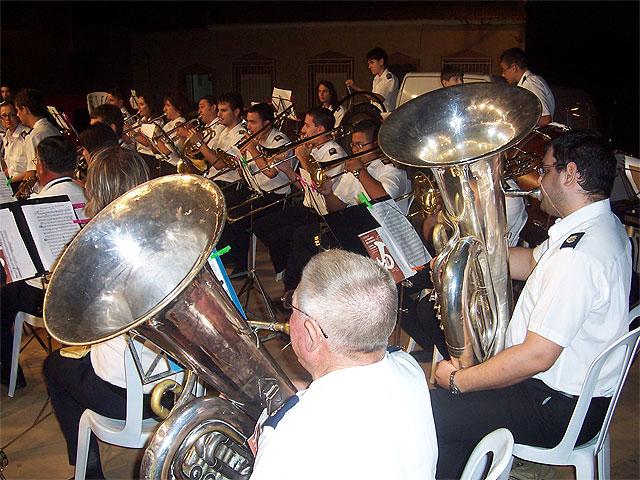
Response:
column 6, row 375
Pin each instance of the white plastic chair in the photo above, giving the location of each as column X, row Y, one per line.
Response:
column 21, row 319
column 500, row 444
column 131, row 433
column 582, row 457
column 94, row 99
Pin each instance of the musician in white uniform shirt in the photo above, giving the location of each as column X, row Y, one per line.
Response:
column 13, row 143
column 55, row 166
column 32, row 112
column 514, row 70
column 230, row 107
column 272, row 183
column 149, row 110
column 328, row 97
column 343, row 313
column 176, row 107
column 367, row 175
column 385, row 84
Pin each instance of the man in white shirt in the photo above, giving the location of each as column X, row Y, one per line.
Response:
column 32, row 112
column 366, row 175
column 275, row 230
column 514, row 70
column 15, row 132
column 343, row 313
column 385, row 84
column 573, row 306
column 55, row 166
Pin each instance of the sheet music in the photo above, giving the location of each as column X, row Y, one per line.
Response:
column 52, row 226
column 400, row 234
column 281, row 100
column 6, row 194
column 15, row 257
column 245, row 173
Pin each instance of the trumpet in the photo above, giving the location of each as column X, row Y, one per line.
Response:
column 189, row 148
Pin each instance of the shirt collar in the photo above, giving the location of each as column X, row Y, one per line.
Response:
column 55, row 182
column 567, row 225
column 526, row 73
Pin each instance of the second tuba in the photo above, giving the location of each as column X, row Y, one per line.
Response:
column 460, row 133
column 142, row 264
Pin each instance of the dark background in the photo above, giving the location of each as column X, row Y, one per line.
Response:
column 592, row 46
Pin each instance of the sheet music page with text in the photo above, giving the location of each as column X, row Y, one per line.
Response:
column 18, row 263
column 52, row 226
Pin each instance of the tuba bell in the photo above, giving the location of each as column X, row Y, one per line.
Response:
column 142, row 265
column 460, row 133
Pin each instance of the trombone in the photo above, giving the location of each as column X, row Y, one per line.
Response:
column 128, row 131
column 317, row 173
column 280, row 118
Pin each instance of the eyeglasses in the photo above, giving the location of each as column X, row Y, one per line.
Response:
column 7, row 115
column 360, row 145
column 287, row 302
column 509, row 67
column 542, row 169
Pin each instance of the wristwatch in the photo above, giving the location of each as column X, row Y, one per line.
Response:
column 356, row 173
column 198, row 145
column 453, row 388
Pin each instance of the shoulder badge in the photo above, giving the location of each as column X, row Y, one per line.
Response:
column 24, row 134
column 572, row 240
column 389, row 76
column 333, row 151
column 277, row 138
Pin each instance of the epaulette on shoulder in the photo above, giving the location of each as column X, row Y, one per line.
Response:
column 572, row 240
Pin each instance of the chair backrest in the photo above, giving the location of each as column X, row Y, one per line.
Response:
column 499, row 443
column 133, row 421
column 95, row 98
column 628, row 344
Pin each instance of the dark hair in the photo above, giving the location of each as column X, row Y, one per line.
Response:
column 332, row 91
column 210, row 99
column 97, row 136
column 593, row 157
column 264, row 111
column 234, row 100
column 57, row 154
column 514, row 56
column 378, row 53
column 179, row 101
column 33, row 100
column 111, row 115
column 116, row 92
column 8, row 103
column 369, row 127
column 449, row 71
column 322, row 117
column 154, row 104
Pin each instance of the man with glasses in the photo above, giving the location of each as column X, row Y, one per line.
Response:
column 573, row 306
column 341, row 425
column 514, row 70
column 367, row 175
column 15, row 161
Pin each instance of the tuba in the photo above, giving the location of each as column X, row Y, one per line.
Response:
column 461, row 134
column 142, row 264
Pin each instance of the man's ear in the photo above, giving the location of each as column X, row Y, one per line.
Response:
column 312, row 335
column 571, row 174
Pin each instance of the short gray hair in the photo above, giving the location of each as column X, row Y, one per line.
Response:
column 352, row 297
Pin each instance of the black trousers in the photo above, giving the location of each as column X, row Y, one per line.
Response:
column 74, row 387
column 14, row 298
column 536, row 415
column 276, row 231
